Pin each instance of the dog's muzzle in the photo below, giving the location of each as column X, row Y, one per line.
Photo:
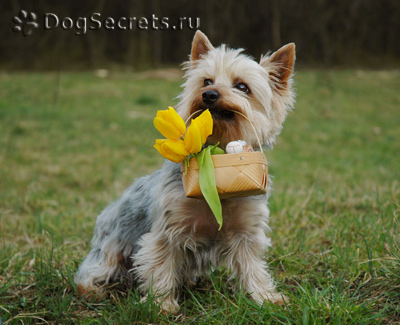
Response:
column 211, row 100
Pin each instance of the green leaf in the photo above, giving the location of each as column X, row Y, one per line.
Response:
column 217, row 151
column 207, row 183
column 200, row 157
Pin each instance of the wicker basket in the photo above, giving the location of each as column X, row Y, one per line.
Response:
column 236, row 175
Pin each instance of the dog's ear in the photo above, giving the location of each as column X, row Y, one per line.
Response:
column 200, row 46
column 280, row 65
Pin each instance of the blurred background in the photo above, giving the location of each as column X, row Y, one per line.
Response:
column 339, row 33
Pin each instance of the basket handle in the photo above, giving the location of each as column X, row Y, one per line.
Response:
column 237, row 112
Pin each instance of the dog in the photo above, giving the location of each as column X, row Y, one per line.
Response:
column 156, row 236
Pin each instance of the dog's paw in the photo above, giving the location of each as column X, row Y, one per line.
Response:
column 281, row 300
column 191, row 283
column 168, row 305
column 275, row 297
column 90, row 293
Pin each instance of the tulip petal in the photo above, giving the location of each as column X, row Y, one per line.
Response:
column 173, row 150
column 158, row 145
column 178, row 120
column 188, row 139
column 177, row 147
column 193, row 138
column 170, row 124
column 205, row 122
column 167, row 129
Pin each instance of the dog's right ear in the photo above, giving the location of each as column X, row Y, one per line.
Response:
column 280, row 65
column 200, row 46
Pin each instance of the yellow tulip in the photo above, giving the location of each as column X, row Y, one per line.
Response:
column 193, row 139
column 205, row 122
column 198, row 132
column 170, row 124
column 173, row 150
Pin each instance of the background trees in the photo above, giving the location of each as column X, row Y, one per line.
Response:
column 327, row 32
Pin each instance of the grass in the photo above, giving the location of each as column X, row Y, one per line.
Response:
column 70, row 144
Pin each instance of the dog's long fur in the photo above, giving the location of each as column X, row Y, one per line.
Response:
column 155, row 234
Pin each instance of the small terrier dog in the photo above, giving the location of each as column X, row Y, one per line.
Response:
column 156, row 235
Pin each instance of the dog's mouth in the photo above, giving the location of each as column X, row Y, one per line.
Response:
column 222, row 114
column 226, row 125
column 218, row 113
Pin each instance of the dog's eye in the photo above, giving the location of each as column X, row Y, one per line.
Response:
column 208, row 82
column 242, row 87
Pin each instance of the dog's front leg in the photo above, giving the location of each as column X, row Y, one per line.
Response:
column 158, row 264
column 248, row 266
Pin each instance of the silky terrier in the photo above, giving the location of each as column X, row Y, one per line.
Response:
column 156, row 236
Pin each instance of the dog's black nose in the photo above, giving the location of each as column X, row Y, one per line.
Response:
column 210, row 97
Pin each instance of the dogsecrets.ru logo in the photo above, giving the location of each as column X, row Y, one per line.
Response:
column 26, row 22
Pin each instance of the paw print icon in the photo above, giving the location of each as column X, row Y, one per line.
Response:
column 25, row 22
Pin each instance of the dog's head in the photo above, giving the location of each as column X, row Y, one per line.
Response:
column 225, row 80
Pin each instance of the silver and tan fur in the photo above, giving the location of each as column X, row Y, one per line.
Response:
column 157, row 236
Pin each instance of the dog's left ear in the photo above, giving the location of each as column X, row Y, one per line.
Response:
column 280, row 65
column 200, row 46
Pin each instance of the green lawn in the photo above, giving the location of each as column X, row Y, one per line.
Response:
column 70, row 144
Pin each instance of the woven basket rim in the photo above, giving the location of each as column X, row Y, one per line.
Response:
column 232, row 159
